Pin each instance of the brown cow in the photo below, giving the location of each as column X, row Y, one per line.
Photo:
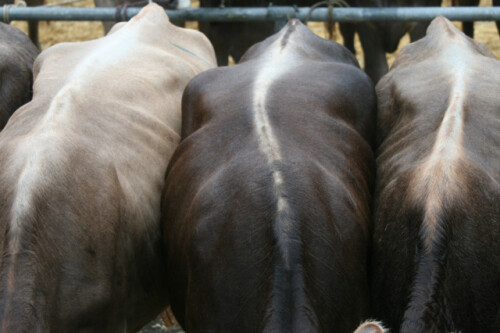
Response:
column 81, row 171
column 267, row 200
column 436, row 247
column 17, row 54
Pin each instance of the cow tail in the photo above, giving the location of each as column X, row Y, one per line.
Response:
column 16, row 284
column 330, row 24
column 286, row 311
column 424, row 313
column 331, row 29
column 288, row 280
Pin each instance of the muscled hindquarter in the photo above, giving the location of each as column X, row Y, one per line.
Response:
column 436, row 238
column 81, row 171
column 267, row 199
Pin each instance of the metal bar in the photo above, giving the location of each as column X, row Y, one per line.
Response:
column 258, row 14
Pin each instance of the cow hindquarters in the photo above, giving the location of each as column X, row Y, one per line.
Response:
column 437, row 268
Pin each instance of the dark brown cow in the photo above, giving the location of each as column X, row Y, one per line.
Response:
column 267, row 200
column 17, row 54
column 82, row 167
column 436, row 247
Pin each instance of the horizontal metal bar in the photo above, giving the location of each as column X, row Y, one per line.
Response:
column 258, row 14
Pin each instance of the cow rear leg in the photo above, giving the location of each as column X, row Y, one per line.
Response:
column 468, row 28
column 33, row 33
column 211, row 30
column 221, row 53
column 347, row 30
column 419, row 31
column 497, row 3
column 374, row 53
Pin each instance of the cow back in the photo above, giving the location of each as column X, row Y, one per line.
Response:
column 235, row 38
column 82, row 166
column 266, row 205
column 438, row 187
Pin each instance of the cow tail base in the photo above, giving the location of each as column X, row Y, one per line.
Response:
column 425, row 306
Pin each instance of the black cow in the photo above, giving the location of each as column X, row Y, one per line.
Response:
column 17, row 54
column 266, row 207
column 234, row 38
column 377, row 38
column 436, row 243
column 393, row 31
column 372, row 40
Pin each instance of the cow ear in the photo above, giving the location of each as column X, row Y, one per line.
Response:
column 371, row 327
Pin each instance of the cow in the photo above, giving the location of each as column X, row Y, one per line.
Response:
column 393, row 31
column 384, row 37
column 379, row 38
column 435, row 263
column 17, row 54
column 81, row 171
column 32, row 25
column 234, row 38
column 266, row 205
column 371, row 38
